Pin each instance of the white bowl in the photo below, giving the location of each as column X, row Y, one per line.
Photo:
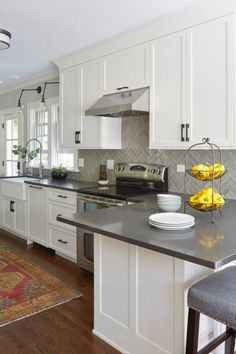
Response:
column 168, row 197
column 169, row 203
column 169, row 207
column 103, row 182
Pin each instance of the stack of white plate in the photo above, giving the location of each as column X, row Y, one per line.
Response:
column 169, row 202
column 171, row 221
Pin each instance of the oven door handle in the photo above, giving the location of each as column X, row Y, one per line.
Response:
column 99, row 202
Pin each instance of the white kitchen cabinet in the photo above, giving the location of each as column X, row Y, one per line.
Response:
column 1, row 208
column 192, row 90
column 63, row 242
column 168, row 92
column 127, row 69
column 211, row 81
column 80, row 88
column 97, row 132
column 62, row 237
column 70, row 124
column 37, row 214
column 8, row 213
column 14, row 215
column 140, row 298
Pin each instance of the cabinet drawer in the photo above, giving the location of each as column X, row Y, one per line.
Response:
column 63, row 196
column 63, row 241
column 56, row 209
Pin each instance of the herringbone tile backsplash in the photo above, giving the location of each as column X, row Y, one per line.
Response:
column 135, row 149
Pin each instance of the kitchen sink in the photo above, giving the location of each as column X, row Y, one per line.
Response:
column 15, row 187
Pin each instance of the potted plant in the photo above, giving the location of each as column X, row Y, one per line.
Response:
column 59, row 172
column 23, row 152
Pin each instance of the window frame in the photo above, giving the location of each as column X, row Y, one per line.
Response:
column 53, row 129
column 4, row 116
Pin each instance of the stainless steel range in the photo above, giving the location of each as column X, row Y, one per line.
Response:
column 132, row 180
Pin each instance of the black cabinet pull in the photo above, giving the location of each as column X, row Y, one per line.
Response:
column 62, row 196
column 59, row 240
column 12, row 206
column 187, row 128
column 122, row 88
column 77, row 137
column 182, row 132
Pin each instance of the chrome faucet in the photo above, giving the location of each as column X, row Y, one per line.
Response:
column 40, row 155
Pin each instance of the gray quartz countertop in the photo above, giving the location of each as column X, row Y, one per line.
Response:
column 65, row 184
column 207, row 244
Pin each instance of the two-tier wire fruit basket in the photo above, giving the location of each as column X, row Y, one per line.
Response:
column 208, row 199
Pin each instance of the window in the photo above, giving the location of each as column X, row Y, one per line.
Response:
column 44, row 126
column 11, row 124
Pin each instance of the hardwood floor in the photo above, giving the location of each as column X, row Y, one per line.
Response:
column 64, row 329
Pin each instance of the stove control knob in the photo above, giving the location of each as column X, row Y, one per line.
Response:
column 122, row 168
column 153, row 171
column 159, row 171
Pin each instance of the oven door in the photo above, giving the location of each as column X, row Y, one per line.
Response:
column 85, row 238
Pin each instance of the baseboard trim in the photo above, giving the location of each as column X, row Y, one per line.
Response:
column 108, row 341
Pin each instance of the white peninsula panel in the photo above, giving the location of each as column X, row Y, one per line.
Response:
column 140, row 298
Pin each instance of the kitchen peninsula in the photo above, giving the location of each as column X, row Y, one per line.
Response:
column 142, row 274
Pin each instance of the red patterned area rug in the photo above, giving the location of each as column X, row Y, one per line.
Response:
column 26, row 289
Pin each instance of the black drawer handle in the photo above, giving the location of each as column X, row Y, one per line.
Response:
column 12, row 206
column 77, row 137
column 35, row 187
column 59, row 240
column 182, row 132
column 62, row 196
column 122, row 88
column 187, row 128
column 59, row 215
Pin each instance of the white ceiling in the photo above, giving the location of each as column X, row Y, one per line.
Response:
column 46, row 29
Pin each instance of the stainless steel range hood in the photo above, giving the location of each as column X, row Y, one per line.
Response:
column 122, row 104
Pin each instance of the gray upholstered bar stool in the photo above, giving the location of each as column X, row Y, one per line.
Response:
column 215, row 297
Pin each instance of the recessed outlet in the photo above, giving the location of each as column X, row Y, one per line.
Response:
column 181, row 168
column 110, row 164
column 81, row 162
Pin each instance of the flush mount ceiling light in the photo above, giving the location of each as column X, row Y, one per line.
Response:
column 19, row 105
column 43, row 107
column 5, row 37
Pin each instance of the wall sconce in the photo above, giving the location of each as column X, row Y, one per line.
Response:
column 5, row 37
column 43, row 107
column 19, row 105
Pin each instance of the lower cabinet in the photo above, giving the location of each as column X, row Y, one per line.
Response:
column 37, row 214
column 13, row 215
column 63, row 241
column 62, row 237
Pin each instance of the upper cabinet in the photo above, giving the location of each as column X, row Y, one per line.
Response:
column 211, row 81
column 127, row 69
column 97, row 132
column 80, row 88
column 70, row 124
column 192, row 90
column 168, row 92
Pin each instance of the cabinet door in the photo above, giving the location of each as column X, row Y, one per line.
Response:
column 91, row 134
column 8, row 213
column 128, row 68
column 211, row 81
column 97, row 132
column 168, row 92
column 1, row 209
column 20, row 217
column 37, row 215
column 69, row 108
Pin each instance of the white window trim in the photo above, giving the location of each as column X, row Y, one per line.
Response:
column 53, row 139
column 3, row 115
